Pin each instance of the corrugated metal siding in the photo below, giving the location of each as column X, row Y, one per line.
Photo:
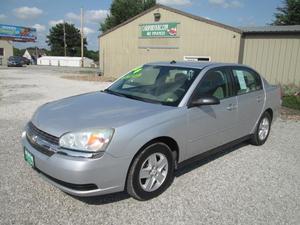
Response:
column 276, row 57
column 122, row 49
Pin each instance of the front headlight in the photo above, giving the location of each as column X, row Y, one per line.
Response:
column 91, row 141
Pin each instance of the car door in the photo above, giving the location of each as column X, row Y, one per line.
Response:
column 250, row 97
column 212, row 125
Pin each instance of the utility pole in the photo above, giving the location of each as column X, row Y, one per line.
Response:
column 81, row 21
column 65, row 44
column 36, row 54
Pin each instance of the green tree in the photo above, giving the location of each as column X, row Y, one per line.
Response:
column 122, row 10
column 94, row 55
column 55, row 40
column 18, row 52
column 288, row 14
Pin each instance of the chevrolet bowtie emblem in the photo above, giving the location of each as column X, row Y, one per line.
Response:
column 34, row 138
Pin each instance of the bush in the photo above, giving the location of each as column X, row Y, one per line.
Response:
column 291, row 102
column 290, row 89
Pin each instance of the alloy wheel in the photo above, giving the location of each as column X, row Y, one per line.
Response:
column 153, row 172
column 263, row 129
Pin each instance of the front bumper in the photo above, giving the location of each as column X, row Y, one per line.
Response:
column 81, row 176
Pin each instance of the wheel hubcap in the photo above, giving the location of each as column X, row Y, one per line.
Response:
column 263, row 129
column 153, row 172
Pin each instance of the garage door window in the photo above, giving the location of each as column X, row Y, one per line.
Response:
column 197, row 58
column 247, row 81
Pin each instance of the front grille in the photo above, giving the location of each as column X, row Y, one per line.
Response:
column 43, row 135
column 77, row 187
column 42, row 149
column 41, row 140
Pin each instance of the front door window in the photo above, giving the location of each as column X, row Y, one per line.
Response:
column 215, row 83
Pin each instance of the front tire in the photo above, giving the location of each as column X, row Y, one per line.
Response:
column 262, row 130
column 151, row 172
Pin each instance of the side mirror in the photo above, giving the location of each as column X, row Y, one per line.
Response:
column 209, row 100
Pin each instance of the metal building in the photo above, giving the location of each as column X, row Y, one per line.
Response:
column 274, row 51
column 164, row 33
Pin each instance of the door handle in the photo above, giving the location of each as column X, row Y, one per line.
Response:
column 231, row 107
column 259, row 98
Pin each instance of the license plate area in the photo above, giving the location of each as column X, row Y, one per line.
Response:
column 29, row 158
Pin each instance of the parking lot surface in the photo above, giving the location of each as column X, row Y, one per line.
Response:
column 247, row 185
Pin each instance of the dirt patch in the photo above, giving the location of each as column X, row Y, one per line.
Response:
column 19, row 86
column 11, row 78
column 89, row 78
column 289, row 114
column 17, row 98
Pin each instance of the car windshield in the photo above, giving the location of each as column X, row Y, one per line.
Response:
column 165, row 85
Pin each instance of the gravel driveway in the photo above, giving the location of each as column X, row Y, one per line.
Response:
column 247, row 185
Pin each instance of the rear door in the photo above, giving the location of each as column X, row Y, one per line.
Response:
column 250, row 98
column 213, row 125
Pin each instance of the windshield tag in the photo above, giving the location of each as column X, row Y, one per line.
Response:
column 135, row 73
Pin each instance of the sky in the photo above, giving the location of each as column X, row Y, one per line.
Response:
column 43, row 14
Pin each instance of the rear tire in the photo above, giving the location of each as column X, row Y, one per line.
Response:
column 262, row 130
column 151, row 172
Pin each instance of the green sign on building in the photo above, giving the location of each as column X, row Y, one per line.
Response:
column 159, row 30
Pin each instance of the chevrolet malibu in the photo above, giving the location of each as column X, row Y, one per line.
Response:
column 133, row 135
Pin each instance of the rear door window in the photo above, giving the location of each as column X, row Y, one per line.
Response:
column 246, row 81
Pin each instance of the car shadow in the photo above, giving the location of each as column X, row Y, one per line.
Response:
column 120, row 196
column 200, row 161
column 103, row 199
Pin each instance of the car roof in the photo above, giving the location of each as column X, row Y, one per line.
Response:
column 191, row 64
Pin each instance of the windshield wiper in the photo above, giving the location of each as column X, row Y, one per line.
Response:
column 131, row 96
column 114, row 93
column 143, row 99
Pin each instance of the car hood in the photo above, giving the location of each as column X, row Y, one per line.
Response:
column 92, row 110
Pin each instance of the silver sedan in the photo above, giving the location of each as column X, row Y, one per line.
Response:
column 136, row 133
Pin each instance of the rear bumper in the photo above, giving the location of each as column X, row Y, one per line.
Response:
column 276, row 113
column 81, row 176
